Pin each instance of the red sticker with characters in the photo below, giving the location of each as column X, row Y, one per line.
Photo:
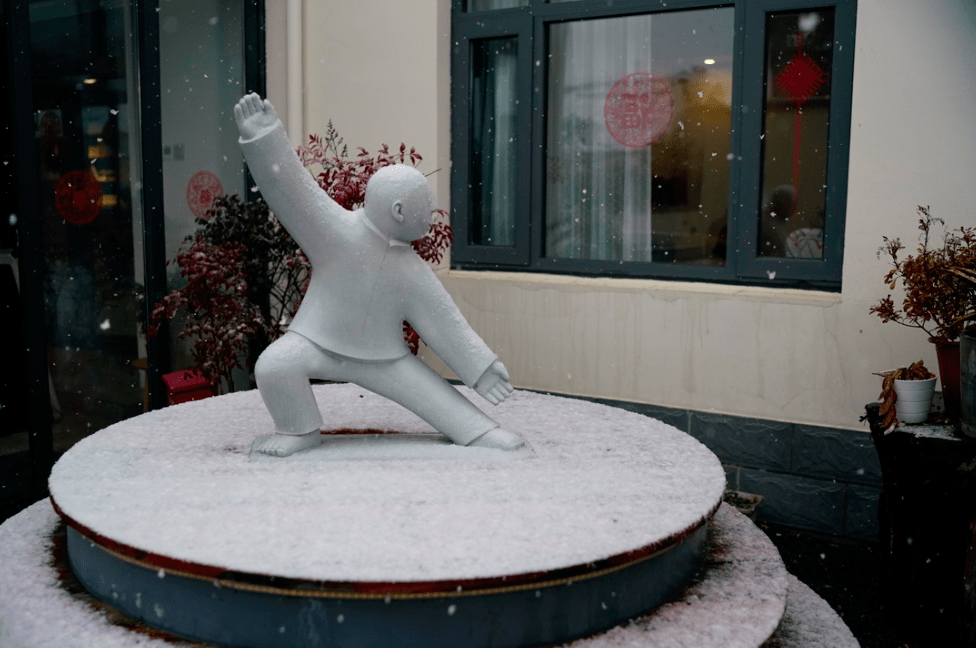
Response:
column 638, row 109
column 78, row 197
column 201, row 190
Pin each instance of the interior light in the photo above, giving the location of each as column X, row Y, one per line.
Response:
column 90, row 81
column 709, row 61
column 808, row 22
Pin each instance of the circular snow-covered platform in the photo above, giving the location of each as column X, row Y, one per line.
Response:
column 735, row 602
column 170, row 521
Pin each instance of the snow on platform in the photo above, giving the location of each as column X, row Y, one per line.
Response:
column 177, row 483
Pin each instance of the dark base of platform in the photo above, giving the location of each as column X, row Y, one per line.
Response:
column 544, row 610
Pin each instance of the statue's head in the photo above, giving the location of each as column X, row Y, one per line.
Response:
column 399, row 201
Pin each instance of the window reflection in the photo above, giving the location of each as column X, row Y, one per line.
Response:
column 638, row 127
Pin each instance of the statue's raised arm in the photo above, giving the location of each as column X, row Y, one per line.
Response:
column 288, row 188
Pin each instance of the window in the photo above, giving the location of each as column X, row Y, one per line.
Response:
column 674, row 140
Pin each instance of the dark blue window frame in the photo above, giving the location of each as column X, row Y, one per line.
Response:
column 529, row 25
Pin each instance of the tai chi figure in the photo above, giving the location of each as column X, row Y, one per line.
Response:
column 366, row 280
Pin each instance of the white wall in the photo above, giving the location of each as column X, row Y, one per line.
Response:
column 379, row 70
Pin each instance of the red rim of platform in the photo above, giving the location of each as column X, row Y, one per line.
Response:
column 381, row 589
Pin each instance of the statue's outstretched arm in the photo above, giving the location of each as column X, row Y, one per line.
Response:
column 289, row 189
column 435, row 316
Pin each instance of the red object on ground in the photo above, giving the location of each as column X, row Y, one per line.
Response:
column 186, row 386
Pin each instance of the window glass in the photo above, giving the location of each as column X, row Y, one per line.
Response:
column 201, row 74
column 637, row 137
column 799, row 54
column 493, row 142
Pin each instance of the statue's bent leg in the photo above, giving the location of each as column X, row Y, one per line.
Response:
column 282, row 373
column 411, row 383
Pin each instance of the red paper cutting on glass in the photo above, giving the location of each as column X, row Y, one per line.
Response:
column 638, row 109
column 78, row 197
column 201, row 190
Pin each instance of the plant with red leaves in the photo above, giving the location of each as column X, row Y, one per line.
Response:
column 937, row 299
column 220, row 317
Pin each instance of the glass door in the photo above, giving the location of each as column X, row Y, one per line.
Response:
column 86, row 133
column 114, row 111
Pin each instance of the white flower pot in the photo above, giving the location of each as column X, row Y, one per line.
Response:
column 914, row 399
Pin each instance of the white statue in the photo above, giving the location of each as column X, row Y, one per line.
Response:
column 366, row 280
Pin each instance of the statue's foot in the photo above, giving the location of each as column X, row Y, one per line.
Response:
column 282, row 445
column 498, row 439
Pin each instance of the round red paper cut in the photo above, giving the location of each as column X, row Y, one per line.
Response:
column 638, row 109
column 78, row 197
column 201, row 190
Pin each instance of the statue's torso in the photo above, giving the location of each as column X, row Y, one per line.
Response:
column 354, row 305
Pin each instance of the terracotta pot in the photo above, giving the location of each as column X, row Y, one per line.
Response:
column 967, row 381
column 948, row 353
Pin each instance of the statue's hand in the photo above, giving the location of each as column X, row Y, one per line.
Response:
column 493, row 385
column 254, row 116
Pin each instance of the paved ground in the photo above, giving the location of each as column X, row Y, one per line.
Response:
column 845, row 573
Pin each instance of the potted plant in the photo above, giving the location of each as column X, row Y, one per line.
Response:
column 906, row 395
column 244, row 276
column 936, row 300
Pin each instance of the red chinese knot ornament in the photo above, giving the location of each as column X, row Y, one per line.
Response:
column 201, row 190
column 799, row 81
column 638, row 109
column 78, row 197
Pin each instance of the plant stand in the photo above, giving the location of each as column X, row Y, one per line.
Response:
column 927, row 519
